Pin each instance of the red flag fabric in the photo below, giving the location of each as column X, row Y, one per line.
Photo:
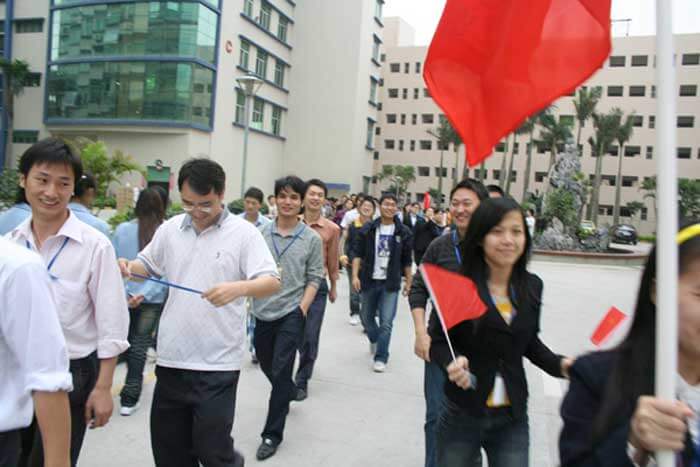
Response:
column 426, row 200
column 491, row 64
column 613, row 318
column 455, row 296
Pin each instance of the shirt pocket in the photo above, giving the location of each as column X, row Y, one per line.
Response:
column 71, row 301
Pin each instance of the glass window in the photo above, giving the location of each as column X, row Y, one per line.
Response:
column 416, row 93
column 393, row 93
column 424, row 171
column 689, row 90
column 375, row 49
column 403, row 119
column 265, row 15
column 638, row 91
column 413, row 145
column 25, row 136
column 400, row 145
column 258, row 119
column 617, row 60
column 23, row 26
column 418, row 67
column 638, row 120
column 33, row 80
column 567, row 120
column 426, row 92
column 153, row 91
column 683, row 153
column 427, row 118
column 615, row 91
column 279, row 73
column 240, row 107
column 369, row 140
column 373, row 91
column 414, row 119
column 391, row 118
column 640, row 60
column 652, row 121
column 395, row 67
column 389, row 144
column 261, row 64
column 276, row 120
column 282, row 27
column 691, row 59
column 245, row 54
column 650, row 152
column 631, row 151
column 685, row 121
column 404, row 93
column 144, row 28
column 248, row 8
column 426, row 144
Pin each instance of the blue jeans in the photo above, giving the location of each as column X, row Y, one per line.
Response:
column 433, row 388
column 460, row 437
column 379, row 303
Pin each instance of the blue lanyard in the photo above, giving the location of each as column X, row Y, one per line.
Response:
column 53, row 260
column 274, row 243
column 455, row 242
column 696, row 443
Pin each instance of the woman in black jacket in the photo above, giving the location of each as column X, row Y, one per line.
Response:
column 610, row 417
column 493, row 414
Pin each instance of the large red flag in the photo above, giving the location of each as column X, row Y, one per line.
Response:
column 492, row 63
column 455, row 296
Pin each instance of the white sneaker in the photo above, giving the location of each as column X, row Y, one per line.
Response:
column 354, row 320
column 126, row 410
column 379, row 367
column 373, row 348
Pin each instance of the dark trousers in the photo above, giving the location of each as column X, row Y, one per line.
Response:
column 434, row 389
column 142, row 324
column 308, row 352
column 355, row 298
column 192, row 418
column 10, row 445
column 84, row 372
column 276, row 344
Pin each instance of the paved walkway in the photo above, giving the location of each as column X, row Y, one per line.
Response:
column 354, row 417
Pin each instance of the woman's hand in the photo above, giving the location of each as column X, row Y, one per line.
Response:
column 458, row 372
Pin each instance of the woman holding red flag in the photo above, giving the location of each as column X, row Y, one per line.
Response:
column 493, row 413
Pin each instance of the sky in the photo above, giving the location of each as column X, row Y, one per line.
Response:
column 424, row 15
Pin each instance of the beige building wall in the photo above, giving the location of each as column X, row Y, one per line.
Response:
column 635, row 167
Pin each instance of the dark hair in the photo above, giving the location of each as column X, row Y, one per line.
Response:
column 255, row 193
column 48, row 151
column 367, row 199
column 318, row 183
column 150, row 212
column 471, row 185
column 495, row 189
column 163, row 195
column 270, row 196
column 84, row 183
column 634, row 371
column 388, row 196
column 488, row 215
column 290, row 182
column 203, row 176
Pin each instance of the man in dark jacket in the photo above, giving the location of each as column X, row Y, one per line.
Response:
column 381, row 252
column 425, row 232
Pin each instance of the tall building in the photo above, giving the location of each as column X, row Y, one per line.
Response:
column 627, row 80
column 157, row 80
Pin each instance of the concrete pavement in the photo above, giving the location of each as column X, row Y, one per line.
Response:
column 354, row 417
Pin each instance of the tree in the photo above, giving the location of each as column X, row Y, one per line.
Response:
column 14, row 78
column 9, row 182
column 634, row 207
column 522, row 129
column 585, row 103
column 528, row 127
column 605, row 126
column 502, row 172
column 648, row 186
column 444, row 135
column 622, row 135
column 106, row 169
column 555, row 134
column 688, row 196
column 399, row 176
column 560, row 204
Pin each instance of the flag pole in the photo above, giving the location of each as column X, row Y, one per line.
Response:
column 667, row 221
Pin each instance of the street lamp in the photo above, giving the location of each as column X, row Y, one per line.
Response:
column 250, row 85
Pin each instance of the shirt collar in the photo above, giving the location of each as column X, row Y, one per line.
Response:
column 71, row 228
column 319, row 223
column 300, row 226
column 187, row 220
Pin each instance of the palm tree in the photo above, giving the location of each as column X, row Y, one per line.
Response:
column 529, row 127
column 444, row 136
column 14, row 74
column 555, row 133
column 585, row 103
column 502, row 173
column 399, row 177
column 522, row 129
column 622, row 135
column 605, row 129
column 456, row 141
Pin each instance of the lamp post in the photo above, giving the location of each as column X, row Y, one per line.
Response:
column 250, row 85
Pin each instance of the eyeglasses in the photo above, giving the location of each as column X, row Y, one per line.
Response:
column 207, row 209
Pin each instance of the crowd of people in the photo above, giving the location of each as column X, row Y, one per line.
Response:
column 214, row 286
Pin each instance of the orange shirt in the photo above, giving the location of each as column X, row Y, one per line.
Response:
column 330, row 234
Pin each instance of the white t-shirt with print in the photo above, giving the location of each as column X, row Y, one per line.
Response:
column 382, row 251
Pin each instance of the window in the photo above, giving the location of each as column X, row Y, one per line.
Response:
column 540, row 176
column 245, row 54
column 418, row 67
column 261, row 64
column 617, row 60
column 640, row 60
column 689, row 90
column 370, row 136
column 373, row 91
column 383, row 58
column 32, row 80
column 426, row 144
column 652, row 121
column 375, row 49
column 567, row 120
column 500, row 147
column 683, row 153
column 406, row 67
column 631, row 151
column 258, row 119
column 653, row 91
column 638, row 120
column 393, row 93
column 282, row 28
column 444, row 171
column 240, row 107
column 276, row 120
column 279, row 73
column 25, row 136
column 375, row 156
column 685, row 121
column 248, row 8
column 650, row 152
column 265, row 15
column 414, row 119
column 637, row 91
column 513, row 176
column 691, row 59
column 613, row 150
column 389, row 144
column 497, row 174
column 29, row 25
column 416, row 93
column 378, row 131
column 391, row 118
column 424, row 171
column 426, row 92
column 629, row 181
column 400, row 145
column 615, row 91
column 395, row 67
column 413, row 145
column 378, row 9
column 427, row 118
column 404, row 93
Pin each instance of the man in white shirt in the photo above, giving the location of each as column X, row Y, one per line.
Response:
column 201, row 336
column 34, row 377
column 85, row 280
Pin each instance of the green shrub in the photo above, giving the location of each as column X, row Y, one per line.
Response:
column 9, row 184
column 173, row 210
column 560, row 204
column 647, row 238
column 236, row 207
column 120, row 217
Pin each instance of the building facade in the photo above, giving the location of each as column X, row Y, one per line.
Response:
column 157, row 80
column 627, row 80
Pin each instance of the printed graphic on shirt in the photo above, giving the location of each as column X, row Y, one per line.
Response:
column 499, row 395
column 383, row 251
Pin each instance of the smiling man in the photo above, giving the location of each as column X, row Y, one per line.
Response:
column 201, row 339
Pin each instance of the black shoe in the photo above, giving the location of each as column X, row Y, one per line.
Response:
column 267, row 449
column 300, row 395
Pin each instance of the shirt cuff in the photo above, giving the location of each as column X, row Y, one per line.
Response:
column 110, row 348
column 148, row 266
column 52, row 381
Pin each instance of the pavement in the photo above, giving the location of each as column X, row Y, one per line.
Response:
column 354, row 417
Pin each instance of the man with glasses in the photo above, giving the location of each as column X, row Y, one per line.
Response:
column 201, row 339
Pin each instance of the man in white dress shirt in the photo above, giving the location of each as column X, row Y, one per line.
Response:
column 86, row 283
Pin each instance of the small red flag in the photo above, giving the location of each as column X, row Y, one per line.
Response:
column 613, row 318
column 491, row 64
column 455, row 296
column 426, row 201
